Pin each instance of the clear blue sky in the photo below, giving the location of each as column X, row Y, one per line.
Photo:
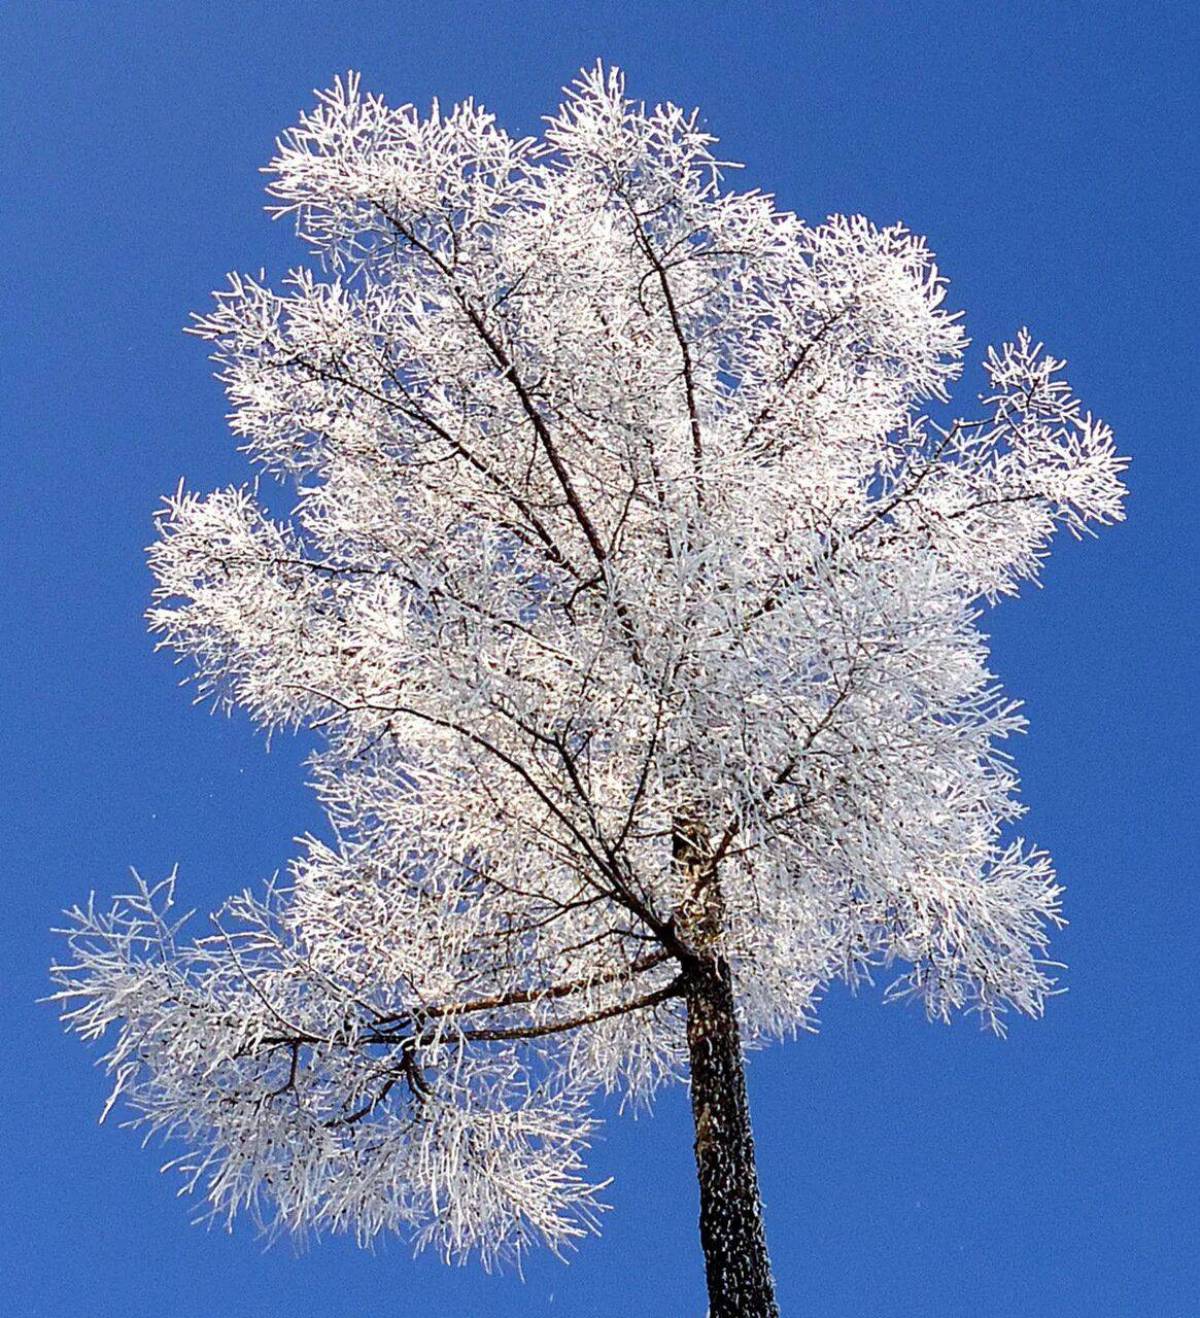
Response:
column 1049, row 152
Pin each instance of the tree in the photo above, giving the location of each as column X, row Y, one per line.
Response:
column 634, row 589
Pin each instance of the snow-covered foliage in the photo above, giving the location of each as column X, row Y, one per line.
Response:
column 621, row 501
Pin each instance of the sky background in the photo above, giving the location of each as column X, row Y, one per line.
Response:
column 1049, row 153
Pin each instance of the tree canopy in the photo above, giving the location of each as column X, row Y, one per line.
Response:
column 630, row 518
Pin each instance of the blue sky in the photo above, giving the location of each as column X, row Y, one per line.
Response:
column 1049, row 152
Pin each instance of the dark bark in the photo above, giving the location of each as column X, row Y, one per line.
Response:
column 731, row 1222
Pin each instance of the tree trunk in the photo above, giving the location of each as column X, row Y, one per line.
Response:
column 731, row 1223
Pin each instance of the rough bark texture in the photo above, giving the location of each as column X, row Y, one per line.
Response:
column 731, row 1223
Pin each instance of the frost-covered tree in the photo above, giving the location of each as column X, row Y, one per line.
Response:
column 634, row 590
